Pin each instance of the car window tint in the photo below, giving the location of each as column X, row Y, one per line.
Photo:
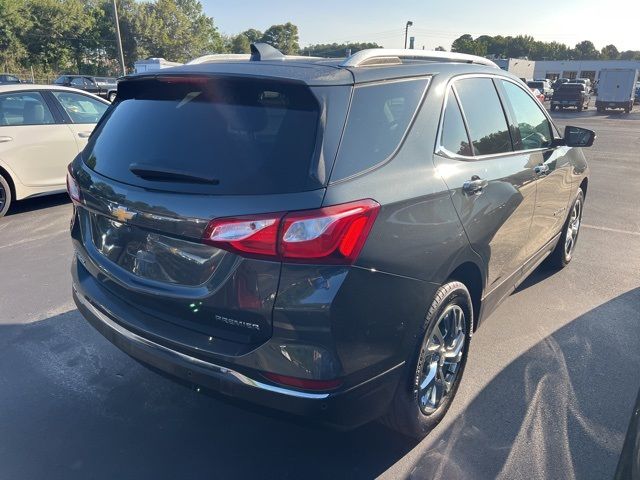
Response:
column 77, row 82
column 485, row 118
column 378, row 119
column 24, row 108
column 454, row 134
column 81, row 108
column 534, row 128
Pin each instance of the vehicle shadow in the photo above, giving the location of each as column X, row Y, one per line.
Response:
column 38, row 203
column 560, row 410
column 73, row 406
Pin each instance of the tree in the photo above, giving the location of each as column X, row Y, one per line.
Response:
column 283, row 37
column 585, row 50
column 609, row 52
column 239, row 44
column 14, row 20
column 253, row 35
column 630, row 55
column 466, row 44
column 333, row 50
column 177, row 30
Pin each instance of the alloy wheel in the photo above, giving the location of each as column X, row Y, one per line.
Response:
column 445, row 350
column 573, row 229
column 3, row 197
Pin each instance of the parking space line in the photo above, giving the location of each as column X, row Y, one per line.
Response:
column 607, row 229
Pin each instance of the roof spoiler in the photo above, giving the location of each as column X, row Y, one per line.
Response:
column 264, row 51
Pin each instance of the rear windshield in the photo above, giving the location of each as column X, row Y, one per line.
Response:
column 568, row 87
column 217, row 135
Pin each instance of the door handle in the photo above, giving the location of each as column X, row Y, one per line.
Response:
column 541, row 169
column 84, row 134
column 475, row 186
column 5, row 139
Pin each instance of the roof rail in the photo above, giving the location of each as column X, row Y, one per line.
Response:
column 386, row 56
column 218, row 57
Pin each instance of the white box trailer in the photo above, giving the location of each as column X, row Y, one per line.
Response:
column 616, row 89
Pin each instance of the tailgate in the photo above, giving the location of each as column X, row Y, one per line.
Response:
column 147, row 253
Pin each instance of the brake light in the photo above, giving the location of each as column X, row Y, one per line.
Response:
column 304, row 383
column 256, row 235
column 72, row 188
column 333, row 234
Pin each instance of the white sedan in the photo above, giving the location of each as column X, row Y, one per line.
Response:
column 42, row 129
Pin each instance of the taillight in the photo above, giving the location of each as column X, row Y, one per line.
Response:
column 72, row 188
column 333, row 234
column 256, row 235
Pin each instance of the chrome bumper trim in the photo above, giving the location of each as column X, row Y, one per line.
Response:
column 230, row 375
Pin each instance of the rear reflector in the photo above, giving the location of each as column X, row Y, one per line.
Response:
column 333, row 234
column 72, row 188
column 304, row 383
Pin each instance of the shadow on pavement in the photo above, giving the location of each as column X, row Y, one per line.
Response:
column 72, row 406
column 38, row 203
column 560, row 410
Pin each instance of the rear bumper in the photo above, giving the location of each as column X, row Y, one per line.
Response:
column 605, row 104
column 348, row 408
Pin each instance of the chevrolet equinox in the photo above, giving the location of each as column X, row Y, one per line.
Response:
column 320, row 236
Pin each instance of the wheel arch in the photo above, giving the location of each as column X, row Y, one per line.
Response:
column 470, row 274
column 583, row 186
column 9, row 178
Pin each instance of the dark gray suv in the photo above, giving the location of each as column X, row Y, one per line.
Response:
column 320, row 236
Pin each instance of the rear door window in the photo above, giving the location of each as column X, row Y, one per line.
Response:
column 454, row 133
column 218, row 135
column 486, row 120
column 379, row 117
column 533, row 126
column 81, row 108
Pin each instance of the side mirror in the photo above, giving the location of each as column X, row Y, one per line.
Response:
column 578, row 137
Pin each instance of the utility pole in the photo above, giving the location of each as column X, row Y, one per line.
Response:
column 406, row 32
column 118, row 38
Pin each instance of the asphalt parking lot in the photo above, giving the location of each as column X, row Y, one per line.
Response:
column 548, row 390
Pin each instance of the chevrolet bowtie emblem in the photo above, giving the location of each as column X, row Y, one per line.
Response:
column 122, row 214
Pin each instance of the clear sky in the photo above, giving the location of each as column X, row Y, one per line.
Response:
column 437, row 22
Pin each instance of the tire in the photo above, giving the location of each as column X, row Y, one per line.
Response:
column 411, row 413
column 561, row 256
column 112, row 96
column 5, row 196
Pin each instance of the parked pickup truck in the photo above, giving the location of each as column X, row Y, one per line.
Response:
column 571, row 95
column 616, row 89
column 104, row 87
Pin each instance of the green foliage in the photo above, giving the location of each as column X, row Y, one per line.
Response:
column 331, row 50
column 283, row 37
column 239, row 44
column 79, row 35
column 527, row 46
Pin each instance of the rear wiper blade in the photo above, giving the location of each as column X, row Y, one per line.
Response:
column 161, row 174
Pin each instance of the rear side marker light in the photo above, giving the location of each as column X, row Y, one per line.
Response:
column 334, row 234
column 72, row 188
column 304, row 383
